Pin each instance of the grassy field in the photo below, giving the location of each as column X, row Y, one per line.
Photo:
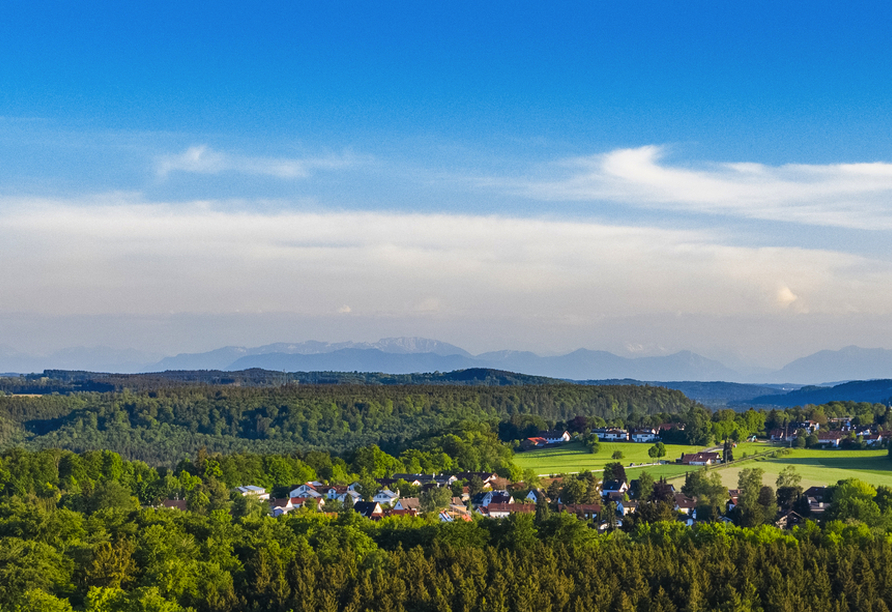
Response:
column 574, row 457
column 752, row 448
column 821, row 467
column 668, row 471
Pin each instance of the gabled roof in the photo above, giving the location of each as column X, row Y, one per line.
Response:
column 410, row 502
column 554, row 433
column 790, row 519
column 609, row 486
column 500, row 498
column 830, row 435
column 479, row 498
column 684, row 502
column 367, row 509
column 819, row 493
column 701, row 457
column 580, row 509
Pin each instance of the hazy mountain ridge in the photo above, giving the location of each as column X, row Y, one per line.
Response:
column 413, row 354
column 849, row 363
column 854, row 391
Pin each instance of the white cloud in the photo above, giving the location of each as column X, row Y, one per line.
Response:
column 840, row 195
column 201, row 159
column 785, row 296
column 63, row 259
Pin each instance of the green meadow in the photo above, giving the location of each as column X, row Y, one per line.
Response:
column 820, row 467
column 575, row 457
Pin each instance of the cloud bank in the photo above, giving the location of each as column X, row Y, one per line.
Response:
column 65, row 258
column 838, row 195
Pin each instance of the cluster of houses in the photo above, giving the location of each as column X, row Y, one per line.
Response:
column 501, row 503
column 638, row 434
column 385, row 502
column 869, row 434
column 607, row 434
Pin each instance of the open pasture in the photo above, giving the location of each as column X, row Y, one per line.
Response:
column 575, row 457
column 821, row 467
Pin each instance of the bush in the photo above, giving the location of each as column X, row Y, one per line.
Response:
column 617, row 454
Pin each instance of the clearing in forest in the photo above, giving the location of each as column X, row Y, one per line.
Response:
column 575, row 457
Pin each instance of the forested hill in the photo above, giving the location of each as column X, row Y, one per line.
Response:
column 163, row 424
column 855, row 391
column 67, row 381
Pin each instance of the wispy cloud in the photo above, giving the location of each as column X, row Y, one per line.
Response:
column 838, row 195
column 201, row 159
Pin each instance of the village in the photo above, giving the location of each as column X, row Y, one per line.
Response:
column 611, row 499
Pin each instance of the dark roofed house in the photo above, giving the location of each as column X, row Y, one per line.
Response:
column 614, row 486
column 500, row 497
column 685, row 504
column 370, row 510
column 701, row 458
column 614, row 496
column 820, row 494
column 789, row 520
column 830, row 438
column 818, row 499
column 486, row 498
column 582, row 511
column 872, row 439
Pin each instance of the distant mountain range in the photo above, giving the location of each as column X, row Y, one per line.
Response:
column 410, row 355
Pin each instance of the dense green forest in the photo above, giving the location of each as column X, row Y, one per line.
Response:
column 167, row 422
column 90, row 546
column 81, row 531
column 67, row 381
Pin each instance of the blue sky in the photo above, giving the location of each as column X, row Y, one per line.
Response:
column 636, row 177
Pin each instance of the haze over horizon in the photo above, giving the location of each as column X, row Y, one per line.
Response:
column 640, row 179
